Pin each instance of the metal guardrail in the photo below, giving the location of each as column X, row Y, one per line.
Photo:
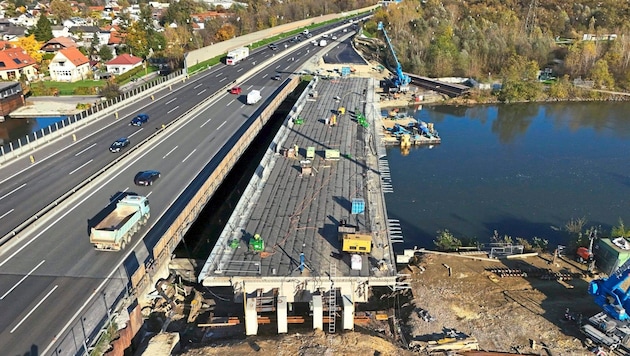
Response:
column 15, row 149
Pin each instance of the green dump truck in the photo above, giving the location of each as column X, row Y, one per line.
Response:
column 114, row 232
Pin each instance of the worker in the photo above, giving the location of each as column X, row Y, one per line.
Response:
column 256, row 236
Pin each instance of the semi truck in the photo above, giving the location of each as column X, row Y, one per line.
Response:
column 114, row 232
column 236, row 55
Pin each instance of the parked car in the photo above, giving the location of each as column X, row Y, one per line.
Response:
column 236, row 90
column 139, row 120
column 146, row 177
column 119, row 144
column 276, row 77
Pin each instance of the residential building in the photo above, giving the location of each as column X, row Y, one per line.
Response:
column 15, row 62
column 69, row 65
column 60, row 31
column 11, row 98
column 58, row 43
column 9, row 31
column 123, row 63
column 83, row 35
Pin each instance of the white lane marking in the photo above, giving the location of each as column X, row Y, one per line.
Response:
column 287, row 67
column 218, row 75
column 85, row 149
column 35, row 307
column 13, row 191
column 201, row 92
column 197, row 86
column 119, row 194
column 221, row 125
column 224, row 78
column 297, row 54
column 278, row 66
column 204, row 124
column 190, row 154
column 249, row 87
column 173, row 109
column 240, row 69
column 140, row 129
column 22, row 280
column 169, row 152
column 81, row 166
column 230, row 103
column 170, row 101
column 149, row 194
column 265, row 76
column 5, row 214
column 242, row 106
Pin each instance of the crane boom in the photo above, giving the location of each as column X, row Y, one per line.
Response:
column 402, row 80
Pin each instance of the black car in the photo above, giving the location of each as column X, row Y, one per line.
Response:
column 119, row 144
column 146, row 177
column 139, row 120
column 276, row 77
column 273, row 46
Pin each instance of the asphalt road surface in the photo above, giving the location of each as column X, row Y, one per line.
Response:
column 47, row 275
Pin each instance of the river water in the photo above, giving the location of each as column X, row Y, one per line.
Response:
column 524, row 170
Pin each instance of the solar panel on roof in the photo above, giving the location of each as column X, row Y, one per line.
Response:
column 17, row 61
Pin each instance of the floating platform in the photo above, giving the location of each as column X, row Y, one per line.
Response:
column 405, row 130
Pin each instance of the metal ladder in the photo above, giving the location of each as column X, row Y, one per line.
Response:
column 332, row 300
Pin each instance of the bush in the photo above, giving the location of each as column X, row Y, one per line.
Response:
column 123, row 78
column 446, row 241
column 110, row 91
column 84, row 91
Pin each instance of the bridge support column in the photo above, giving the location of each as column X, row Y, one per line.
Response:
column 251, row 317
column 318, row 312
column 347, row 318
column 282, row 315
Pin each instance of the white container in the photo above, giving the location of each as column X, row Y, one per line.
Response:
column 356, row 262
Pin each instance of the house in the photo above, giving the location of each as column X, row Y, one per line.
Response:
column 123, row 63
column 11, row 98
column 15, row 62
column 58, row 43
column 9, row 31
column 69, row 65
column 83, row 35
column 60, row 31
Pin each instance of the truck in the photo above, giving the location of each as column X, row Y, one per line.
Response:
column 253, row 97
column 323, row 43
column 236, row 55
column 114, row 232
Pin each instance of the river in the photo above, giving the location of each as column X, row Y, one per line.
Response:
column 523, row 170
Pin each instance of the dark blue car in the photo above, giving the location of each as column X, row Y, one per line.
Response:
column 139, row 119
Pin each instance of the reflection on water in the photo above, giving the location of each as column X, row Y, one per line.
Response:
column 14, row 129
column 523, row 169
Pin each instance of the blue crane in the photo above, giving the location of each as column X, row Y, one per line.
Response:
column 402, row 79
column 610, row 295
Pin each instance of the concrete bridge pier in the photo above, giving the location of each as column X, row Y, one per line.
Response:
column 318, row 312
column 283, row 325
column 251, row 317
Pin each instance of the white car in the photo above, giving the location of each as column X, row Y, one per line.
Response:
column 334, row 37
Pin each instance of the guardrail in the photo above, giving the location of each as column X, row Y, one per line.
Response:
column 15, row 149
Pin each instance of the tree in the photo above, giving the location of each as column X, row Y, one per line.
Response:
column 446, row 241
column 601, row 76
column 31, row 46
column 43, row 29
column 226, row 32
column 620, row 230
column 61, row 10
column 137, row 39
column 105, row 53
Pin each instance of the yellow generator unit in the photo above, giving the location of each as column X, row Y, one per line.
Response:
column 357, row 243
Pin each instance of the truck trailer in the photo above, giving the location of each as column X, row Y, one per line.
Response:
column 236, row 55
column 114, row 232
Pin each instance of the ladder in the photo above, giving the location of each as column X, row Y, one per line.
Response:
column 332, row 300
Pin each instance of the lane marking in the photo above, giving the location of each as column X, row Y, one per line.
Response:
column 224, row 78
column 22, row 280
column 140, row 129
column 265, row 76
column 201, row 92
column 36, row 306
column 81, row 166
column 249, row 87
column 278, row 66
column 230, row 103
column 240, row 69
column 169, row 152
column 5, row 214
column 197, row 86
column 220, row 125
column 85, row 149
column 218, row 75
column 173, row 109
column 13, row 191
column 204, row 124
column 149, row 194
column 170, row 101
column 184, row 160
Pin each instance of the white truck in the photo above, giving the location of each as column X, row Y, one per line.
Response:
column 114, row 232
column 323, row 43
column 236, row 55
column 253, row 97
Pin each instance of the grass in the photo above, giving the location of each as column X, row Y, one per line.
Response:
column 68, row 88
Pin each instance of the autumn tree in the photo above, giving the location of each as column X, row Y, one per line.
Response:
column 176, row 39
column 31, row 46
column 137, row 39
column 520, row 80
column 226, row 32
column 601, row 76
column 61, row 10
column 42, row 30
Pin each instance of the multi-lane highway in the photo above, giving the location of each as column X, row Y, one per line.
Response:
column 47, row 275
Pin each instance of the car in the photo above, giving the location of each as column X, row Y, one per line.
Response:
column 139, row 119
column 119, row 144
column 146, row 178
column 333, row 38
column 273, row 47
column 276, row 77
column 236, row 90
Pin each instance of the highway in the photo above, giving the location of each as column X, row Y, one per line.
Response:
column 48, row 274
